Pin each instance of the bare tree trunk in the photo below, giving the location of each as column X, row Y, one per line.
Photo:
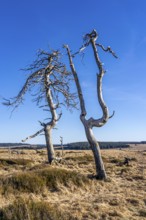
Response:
column 49, row 143
column 88, row 124
column 100, row 170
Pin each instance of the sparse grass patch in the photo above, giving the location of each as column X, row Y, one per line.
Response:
column 114, row 202
column 133, row 159
column 142, row 212
column 38, row 167
column 86, row 159
column 18, row 161
column 30, row 210
column 116, row 161
column 134, row 202
column 41, row 153
column 124, row 170
column 115, row 214
column 3, row 151
column 138, row 177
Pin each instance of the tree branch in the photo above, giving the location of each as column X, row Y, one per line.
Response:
column 112, row 115
column 80, row 94
column 81, row 49
column 19, row 98
column 104, row 108
column 34, row 135
column 108, row 49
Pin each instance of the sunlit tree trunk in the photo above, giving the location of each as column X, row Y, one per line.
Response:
column 100, row 170
column 91, row 122
column 49, row 143
column 49, row 126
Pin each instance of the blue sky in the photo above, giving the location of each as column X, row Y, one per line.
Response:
column 29, row 25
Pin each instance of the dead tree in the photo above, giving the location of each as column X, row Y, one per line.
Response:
column 51, row 78
column 90, row 39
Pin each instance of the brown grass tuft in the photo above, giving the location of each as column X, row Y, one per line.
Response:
column 22, row 182
column 30, row 210
column 55, row 176
column 36, row 181
column 9, row 162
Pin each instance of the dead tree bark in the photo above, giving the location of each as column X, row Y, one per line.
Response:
column 49, row 143
column 91, row 122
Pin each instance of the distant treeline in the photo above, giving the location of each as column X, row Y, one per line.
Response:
column 21, row 146
column 103, row 145
column 11, row 144
column 72, row 146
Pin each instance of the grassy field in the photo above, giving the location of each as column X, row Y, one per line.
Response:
column 31, row 189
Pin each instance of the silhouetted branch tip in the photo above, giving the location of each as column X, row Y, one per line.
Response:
column 112, row 115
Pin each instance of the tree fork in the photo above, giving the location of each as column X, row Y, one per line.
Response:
column 100, row 170
column 91, row 122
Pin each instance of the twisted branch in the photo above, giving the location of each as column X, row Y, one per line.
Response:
column 108, row 49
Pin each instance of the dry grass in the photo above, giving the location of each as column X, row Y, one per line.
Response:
column 36, row 181
column 30, row 210
column 18, row 161
column 67, row 191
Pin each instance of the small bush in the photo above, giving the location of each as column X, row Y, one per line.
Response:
column 30, row 210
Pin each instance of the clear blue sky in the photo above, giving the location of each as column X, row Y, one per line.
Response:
column 29, row 25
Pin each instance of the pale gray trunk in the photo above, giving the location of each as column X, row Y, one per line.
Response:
column 100, row 170
column 90, row 123
column 49, row 143
column 48, row 127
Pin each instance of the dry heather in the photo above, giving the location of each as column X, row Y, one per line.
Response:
column 31, row 189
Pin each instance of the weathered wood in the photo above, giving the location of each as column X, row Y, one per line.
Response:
column 49, row 143
column 91, row 122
